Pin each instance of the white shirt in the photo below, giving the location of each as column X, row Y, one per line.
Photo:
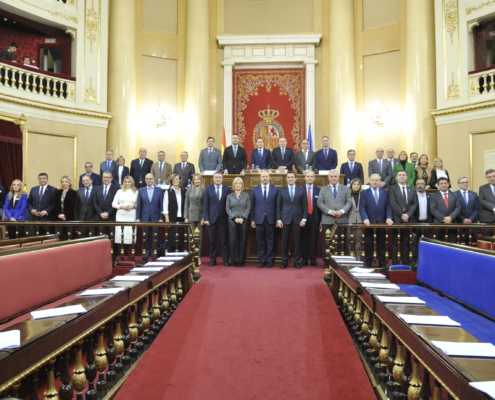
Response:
column 405, row 191
column 178, row 197
column 423, row 206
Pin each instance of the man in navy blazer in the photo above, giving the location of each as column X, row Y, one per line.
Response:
column 89, row 171
column 235, row 158
column 283, row 156
column 470, row 208
column 260, row 158
column 140, row 167
column 215, row 217
column 310, row 231
column 374, row 207
column 421, row 215
column 263, row 219
column 445, row 207
column 40, row 202
column 149, row 209
column 184, row 168
column 352, row 169
column 326, row 158
column 109, row 164
column 292, row 213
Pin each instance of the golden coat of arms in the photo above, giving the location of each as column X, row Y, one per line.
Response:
column 268, row 129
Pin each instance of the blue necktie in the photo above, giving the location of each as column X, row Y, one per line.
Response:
column 352, row 167
column 218, row 193
column 465, row 198
column 108, row 165
column 150, row 193
column 335, row 192
column 292, row 193
column 161, row 167
column 105, row 193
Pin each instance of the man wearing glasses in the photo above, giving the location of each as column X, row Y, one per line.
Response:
column 470, row 208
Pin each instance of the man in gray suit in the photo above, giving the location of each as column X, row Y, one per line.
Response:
column 334, row 202
column 381, row 167
column 404, row 203
column 210, row 159
column 85, row 203
column 445, row 207
column 109, row 164
column 487, row 201
column 305, row 158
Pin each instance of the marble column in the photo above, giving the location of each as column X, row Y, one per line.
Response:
column 122, row 79
column 342, row 109
column 421, row 130
column 197, row 79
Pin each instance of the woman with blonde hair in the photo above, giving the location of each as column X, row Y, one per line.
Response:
column 437, row 173
column 423, row 171
column 65, row 206
column 238, row 209
column 355, row 218
column 125, row 202
column 15, row 208
column 193, row 207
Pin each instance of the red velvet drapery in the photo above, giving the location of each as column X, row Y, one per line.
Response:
column 10, row 153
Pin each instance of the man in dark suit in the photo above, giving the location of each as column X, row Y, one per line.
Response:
column 95, row 178
column 140, row 167
column 305, row 159
column 103, row 200
column 413, row 157
column 392, row 161
column 149, row 209
column 326, row 158
column 352, row 169
column 381, row 166
column 263, row 219
column 470, row 208
column 234, row 158
column 109, row 164
column 210, row 159
column 260, row 158
column 445, row 208
column 404, row 202
column 374, row 208
column 40, row 202
column 85, row 204
column 185, row 169
column 3, row 195
column 215, row 217
column 422, row 215
column 310, row 231
column 292, row 212
column 487, row 201
column 282, row 156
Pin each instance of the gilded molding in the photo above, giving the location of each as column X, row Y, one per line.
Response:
column 71, row 32
column 90, row 95
column 451, row 18
column 472, row 25
column 50, row 107
column 55, row 13
column 453, row 91
column 469, row 10
column 465, row 108
column 20, row 121
column 91, row 26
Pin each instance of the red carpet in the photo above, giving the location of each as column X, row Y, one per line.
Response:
column 249, row 333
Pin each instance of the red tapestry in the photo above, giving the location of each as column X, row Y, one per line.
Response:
column 269, row 103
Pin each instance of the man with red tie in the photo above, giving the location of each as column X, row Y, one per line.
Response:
column 40, row 202
column 445, row 207
column 184, row 168
column 310, row 232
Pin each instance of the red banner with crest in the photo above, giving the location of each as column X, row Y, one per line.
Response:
column 269, row 103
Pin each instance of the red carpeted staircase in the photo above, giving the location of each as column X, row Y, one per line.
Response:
column 249, row 333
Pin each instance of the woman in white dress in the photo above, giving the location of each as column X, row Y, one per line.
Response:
column 125, row 202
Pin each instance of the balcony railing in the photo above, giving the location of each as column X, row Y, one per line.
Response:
column 482, row 83
column 36, row 81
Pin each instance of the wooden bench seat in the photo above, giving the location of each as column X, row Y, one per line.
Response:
column 10, row 244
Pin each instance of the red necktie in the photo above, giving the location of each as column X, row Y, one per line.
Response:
column 310, row 201
column 446, row 200
column 41, row 193
column 183, row 168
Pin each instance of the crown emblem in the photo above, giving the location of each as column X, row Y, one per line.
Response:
column 268, row 115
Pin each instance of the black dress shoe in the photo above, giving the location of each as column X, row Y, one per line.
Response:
column 241, row 265
column 261, row 265
column 315, row 264
column 212, row 263
column 297, row 265
column 269, row 265
column 226, row 263
column 304, row 263
column 284, row 265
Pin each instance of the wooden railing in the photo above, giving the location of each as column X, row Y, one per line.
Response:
column 36, row 81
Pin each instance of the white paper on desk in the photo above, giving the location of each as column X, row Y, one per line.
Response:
column 379, row 285
column 466, row 349
column 130, row 278
column 178, row 253
column 170, row 258
column 212, row 172
column 362, row 275
column 350, row 258
column 59, row 311
column 361, row 270
column 440, row 320
column 350, row 262
column 10, row 339
column 400, row 299
column 487, row 387
column 100, row 292
column 158, row 264
column 323, row 172
column 146, row 269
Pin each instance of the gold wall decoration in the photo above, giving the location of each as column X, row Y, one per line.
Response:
column 451, row 18
column 54, row 13
column 472, row 25
column 90, row 95
column 20, row 121
column 473, row 86
column 469, row 10
column 71, row 32
column 91, row 26
column 453, row 91
column 72, row 2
